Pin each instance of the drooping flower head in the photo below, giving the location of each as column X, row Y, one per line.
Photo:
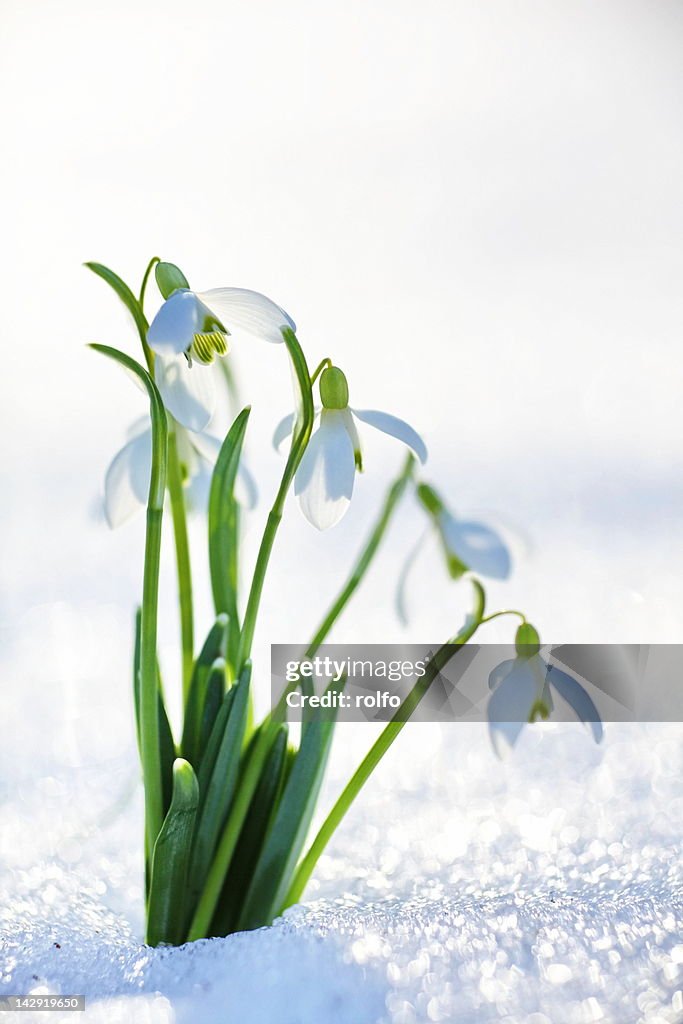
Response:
column 192, row 329
column 522, row 692
column 325, row 478
column 466, row 546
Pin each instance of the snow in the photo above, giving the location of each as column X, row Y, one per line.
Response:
column 545, row 889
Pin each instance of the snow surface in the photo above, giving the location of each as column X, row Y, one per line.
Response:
column 544, row 890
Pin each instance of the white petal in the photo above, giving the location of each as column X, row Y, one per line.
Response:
column 138, row 426
column 353, row 434
column 579, row 701
column 283, row 430
column 126, row 484
column 198, row 487
column 240, row 309
column 205, row 445
column 324, row 480
column 208, row 447
column 189, row 392
column 179, row 319
column 510, row 703
column 500, row 672
column 477, row 546
column 395, row 427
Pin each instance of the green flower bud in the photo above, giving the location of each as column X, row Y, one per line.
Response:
column 430, row 499
column 169, row 278
column 527, row 641
column 334, row 391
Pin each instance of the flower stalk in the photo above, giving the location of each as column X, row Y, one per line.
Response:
column 182, row 550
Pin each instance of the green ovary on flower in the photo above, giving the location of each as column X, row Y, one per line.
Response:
column 334, row 389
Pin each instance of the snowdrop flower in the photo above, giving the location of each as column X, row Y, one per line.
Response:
column 467, row 546
column 325, row 477
column 522, row 692
column 127, row 480
column 191, row 329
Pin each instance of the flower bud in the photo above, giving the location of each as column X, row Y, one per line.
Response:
column 334, row 391
column 169, row 278
column 527, row 641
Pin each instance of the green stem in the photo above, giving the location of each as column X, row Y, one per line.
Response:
column 150, row 754
column 380, row 747
column 392, row 499
column 143, row 287
column 323, row 364
column 302, row 433
column 141, row 322
column 182, row 551
column 507, row 611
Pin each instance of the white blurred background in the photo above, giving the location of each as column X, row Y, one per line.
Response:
column 474, row 208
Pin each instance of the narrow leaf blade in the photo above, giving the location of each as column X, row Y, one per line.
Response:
column 281, row 850
column 124, row 293
column 223, row 520
column 170, row 861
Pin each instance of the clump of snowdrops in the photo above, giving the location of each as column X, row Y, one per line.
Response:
column 228, row 801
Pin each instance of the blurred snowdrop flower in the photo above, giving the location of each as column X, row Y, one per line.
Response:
column 126, row 483
column 192, row 328
column 522, row 692
column 467, row 546
column 325, row 477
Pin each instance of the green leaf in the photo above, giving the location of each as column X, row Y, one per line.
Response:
column 149, row 707
column 213, row 649
column 223, row 520
column 169, row 278
column 277, row 861
column 261, row 811
column 215, row 692
column 217, row 785
column 124, row 293
column 167, row 750
column 210, row 751
column 170, row 861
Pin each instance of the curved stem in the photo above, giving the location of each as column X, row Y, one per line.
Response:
column 380, row 747
column 322, row 365
column 507, row 611
column 143, row 287
column 182, row 551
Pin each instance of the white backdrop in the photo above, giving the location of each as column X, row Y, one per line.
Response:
column 474, row 208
